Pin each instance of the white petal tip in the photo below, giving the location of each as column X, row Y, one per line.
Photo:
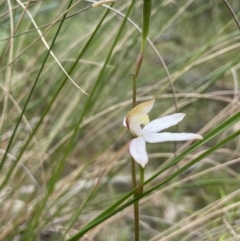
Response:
column 181, row 114
column 199, row 137
column 124, row 122
column 143, row 166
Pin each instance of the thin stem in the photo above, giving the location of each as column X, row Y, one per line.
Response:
column 138, row 64
column 135, row 204
column 134, row 182
column 141, row 180
column 138, row 193
column 147, row 5
column 136, row 218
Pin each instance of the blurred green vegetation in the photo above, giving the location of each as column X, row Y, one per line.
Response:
column 199, row 43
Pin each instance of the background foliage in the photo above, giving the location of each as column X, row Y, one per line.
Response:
column 68, row 156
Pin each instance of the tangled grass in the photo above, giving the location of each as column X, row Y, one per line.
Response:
column 65, row 153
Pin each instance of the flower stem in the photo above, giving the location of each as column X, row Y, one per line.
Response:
column 147, row 5
column 141, row 180
column 138, row 64
column 136, row 204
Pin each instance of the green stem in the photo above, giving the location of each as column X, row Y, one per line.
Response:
column 141, row 181
column 134, row 182
column 147, row 5
column 138, row 193
column 138, row 64
column 135, row 204
column 136, row 218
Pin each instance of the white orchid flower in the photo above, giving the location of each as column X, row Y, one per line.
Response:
column 149, row 133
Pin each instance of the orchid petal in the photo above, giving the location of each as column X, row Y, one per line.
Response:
column 138, row 151
column 163, row 123
column 166, row 136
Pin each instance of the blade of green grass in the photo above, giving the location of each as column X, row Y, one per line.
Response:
column 30, row 94
column 210, row 182
column 55, row 175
